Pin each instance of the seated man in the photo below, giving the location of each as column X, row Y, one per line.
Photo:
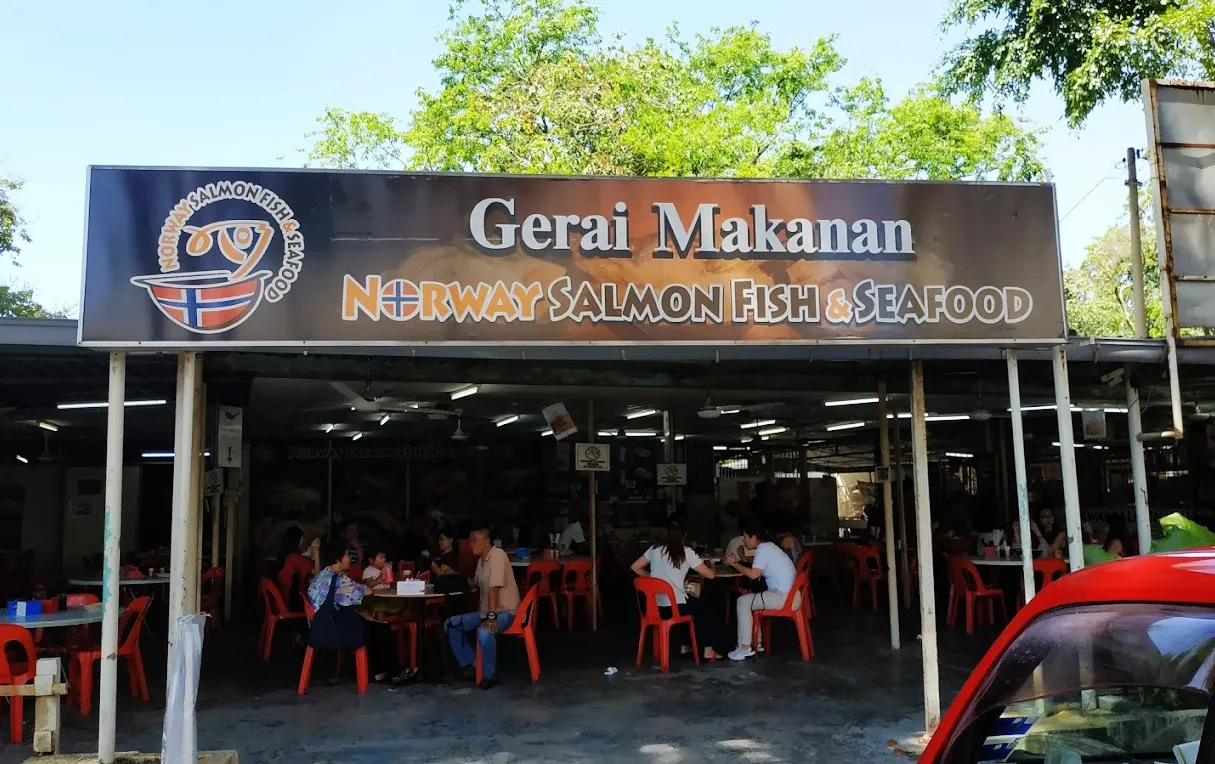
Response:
column 499, row 599
column 778, row 572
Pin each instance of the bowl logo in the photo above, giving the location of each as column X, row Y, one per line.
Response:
column 215, row 300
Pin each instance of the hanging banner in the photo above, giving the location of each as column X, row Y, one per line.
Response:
column 233, row 258
column 559, row 421
column 229, row 434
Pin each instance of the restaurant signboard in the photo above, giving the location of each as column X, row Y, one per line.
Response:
column 281, row 258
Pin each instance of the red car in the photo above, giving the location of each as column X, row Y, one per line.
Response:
column 1113, row 663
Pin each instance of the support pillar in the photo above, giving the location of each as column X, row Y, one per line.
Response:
column 181, row 539
column 1143, row 520
column 112, row 561
column 1020, row 480
column 892, row 585
column 1067, row 458
column 923, row 523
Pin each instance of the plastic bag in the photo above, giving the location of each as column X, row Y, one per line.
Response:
column 179, row 741
column 1182, row 533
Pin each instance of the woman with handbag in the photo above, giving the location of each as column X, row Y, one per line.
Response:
column 338, row 625
column 671, row 562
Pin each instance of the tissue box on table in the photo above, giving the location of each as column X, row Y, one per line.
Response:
column 411, row 586
column 24, row 608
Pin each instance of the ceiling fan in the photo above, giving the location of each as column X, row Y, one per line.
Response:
column 384, row 404
column 712, row 411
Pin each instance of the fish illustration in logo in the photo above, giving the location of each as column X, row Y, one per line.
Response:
column 214, row 301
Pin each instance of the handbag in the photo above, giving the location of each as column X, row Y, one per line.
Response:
column 333, row 627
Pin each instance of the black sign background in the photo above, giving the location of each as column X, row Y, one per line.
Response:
column 397, row 226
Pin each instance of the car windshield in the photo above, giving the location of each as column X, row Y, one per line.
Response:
column 1096, row 683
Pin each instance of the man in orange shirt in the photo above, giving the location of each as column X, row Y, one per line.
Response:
column 499, row 599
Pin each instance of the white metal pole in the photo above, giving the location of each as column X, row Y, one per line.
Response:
column 1067, row 459
column 892, row 584
column 1143, row 520
column 195, row 488
column 181, row 540
column 593, row 485
column 923, row 527
column 229, row 504
column 215, row 528
column 1022, row 483
column 904, row 568
column 107, row 725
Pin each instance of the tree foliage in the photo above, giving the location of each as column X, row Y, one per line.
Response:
column 1090, row 51
column 1098, row 291
column 529, row 86
column 15, row 302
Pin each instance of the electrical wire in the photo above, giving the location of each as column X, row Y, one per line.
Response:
column 1117, row 165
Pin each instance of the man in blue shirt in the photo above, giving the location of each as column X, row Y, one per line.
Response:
column 772, row 564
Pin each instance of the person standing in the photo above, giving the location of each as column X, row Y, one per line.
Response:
column 499, row 600
column 772, row 564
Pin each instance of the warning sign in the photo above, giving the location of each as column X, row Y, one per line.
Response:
column 672, row 474
column 592, row 457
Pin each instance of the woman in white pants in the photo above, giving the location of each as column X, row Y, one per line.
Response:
column 778, row 572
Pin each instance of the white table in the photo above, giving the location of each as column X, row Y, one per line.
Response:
column 517, row 563
column 998, row 562
column 97, row 583
column 77, row 616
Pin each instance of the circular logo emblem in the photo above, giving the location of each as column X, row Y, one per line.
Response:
column 244, row 260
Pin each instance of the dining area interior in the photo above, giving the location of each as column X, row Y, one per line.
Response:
column 405, row 465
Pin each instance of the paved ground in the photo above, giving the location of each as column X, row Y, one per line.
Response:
column 845, row 705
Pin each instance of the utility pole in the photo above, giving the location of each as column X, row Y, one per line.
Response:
column 1137, row 300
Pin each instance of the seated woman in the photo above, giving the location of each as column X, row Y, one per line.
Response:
column 671, row 562
column 297, row 560
column 381, row 649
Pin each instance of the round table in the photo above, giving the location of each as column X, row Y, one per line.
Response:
column 515, row 562
column 996, row 562
column 97, row 583
column 398, row 602
column 77, row 616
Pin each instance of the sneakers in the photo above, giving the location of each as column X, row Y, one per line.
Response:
column 741, row 653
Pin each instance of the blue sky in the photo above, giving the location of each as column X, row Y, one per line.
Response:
column 239, row 84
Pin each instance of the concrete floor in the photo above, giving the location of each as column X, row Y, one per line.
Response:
column 847, row 704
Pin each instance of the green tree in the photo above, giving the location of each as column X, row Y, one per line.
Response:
column 925, row 136
column 1090, row 51
column 15, row 302
column 529, row 86
column 1098, row 290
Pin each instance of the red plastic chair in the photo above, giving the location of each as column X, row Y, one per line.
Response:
column 16, row 673
column 843, row 557
column 805, row 564
column 360, row 661
column 275, row 610
column 763, row 618
column 650, row 587
column 523, row 626
column 868, row 571
column 1050, row 568
column 211, row 592
column 575, row 583
column 130, row 624
column 539, row 576
column 967, row 587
